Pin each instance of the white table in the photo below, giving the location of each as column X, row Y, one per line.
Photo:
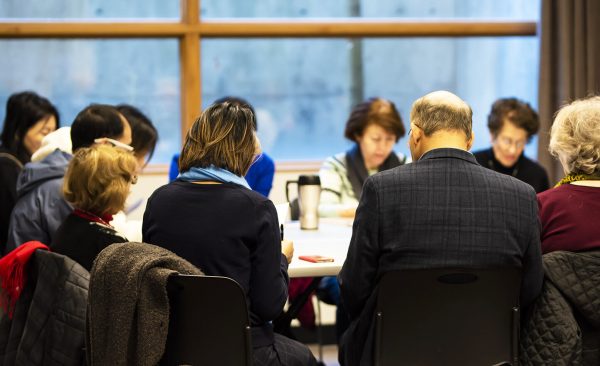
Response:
column 330, row 240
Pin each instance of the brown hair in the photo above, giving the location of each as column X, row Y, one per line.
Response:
column 432, row 117
column 98, row 179
column 376, row 111
column 222, row 136
column 516, row 112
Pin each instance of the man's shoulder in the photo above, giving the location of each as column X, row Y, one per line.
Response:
column 482, row 153
column 498, row 182
column 425, row 171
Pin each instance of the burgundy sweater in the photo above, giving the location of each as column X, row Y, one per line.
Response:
column 570, row 217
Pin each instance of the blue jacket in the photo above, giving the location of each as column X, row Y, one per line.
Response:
column 40, row 207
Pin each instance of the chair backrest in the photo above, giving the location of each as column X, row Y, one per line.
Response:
column 448, row 317
column 208, row 322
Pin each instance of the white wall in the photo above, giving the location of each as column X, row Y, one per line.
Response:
column 146, row 184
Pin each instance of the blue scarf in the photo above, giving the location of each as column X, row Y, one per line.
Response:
column 212, row 174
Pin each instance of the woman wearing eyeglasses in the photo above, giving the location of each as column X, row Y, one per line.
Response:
column 512, row 124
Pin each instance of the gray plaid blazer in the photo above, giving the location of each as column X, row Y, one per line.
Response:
column 444, row 210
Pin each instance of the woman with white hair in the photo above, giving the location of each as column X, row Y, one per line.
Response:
column 569, row 213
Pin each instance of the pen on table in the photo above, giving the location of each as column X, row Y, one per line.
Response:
column 281, row 227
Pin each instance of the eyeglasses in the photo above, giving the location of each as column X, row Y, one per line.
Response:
column 114, row 143
column 507, row 142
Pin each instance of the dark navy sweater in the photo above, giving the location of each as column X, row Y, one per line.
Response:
column 225, row 230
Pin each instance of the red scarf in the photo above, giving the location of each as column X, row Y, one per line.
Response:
column 13, row 274
column 104, row 219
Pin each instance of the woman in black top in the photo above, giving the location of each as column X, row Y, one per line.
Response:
column 211, row 217
column 29, row 117
column 97, row 183
column 512, row 124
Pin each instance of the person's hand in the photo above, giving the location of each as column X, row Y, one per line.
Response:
column 287, row 248
column 347, row 213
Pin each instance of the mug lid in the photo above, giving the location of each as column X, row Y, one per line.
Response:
column 309, row 180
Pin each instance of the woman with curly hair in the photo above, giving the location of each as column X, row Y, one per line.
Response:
column 569, row 212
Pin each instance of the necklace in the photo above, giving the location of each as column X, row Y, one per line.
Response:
column 576, row 177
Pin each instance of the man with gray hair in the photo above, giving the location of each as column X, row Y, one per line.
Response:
column 442, row 210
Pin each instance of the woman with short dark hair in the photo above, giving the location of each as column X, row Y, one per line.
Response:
column 210, row 217
column 144, row 135
column 29, row 117
column 375, row 126
column 512, row 124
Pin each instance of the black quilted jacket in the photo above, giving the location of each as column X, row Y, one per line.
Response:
column 564, row 323
column 48, row 326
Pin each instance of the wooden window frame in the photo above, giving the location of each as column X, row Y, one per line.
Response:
column 191, row 28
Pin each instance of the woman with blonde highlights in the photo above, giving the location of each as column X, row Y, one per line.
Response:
column 569, row 212
column 97, row 183
column 212, row 218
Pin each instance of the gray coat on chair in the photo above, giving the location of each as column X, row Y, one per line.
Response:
column 128, row 313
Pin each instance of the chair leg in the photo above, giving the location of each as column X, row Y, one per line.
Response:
column 319, row 331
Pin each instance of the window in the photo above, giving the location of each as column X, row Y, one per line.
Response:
column 428, row 9
column 95, row 9
column 303, row 89
column 303, row 64
column 75, row 73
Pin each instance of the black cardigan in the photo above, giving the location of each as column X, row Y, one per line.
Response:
column 82, row 240
column 525, row 170
column 10, row 167
column 225, row 230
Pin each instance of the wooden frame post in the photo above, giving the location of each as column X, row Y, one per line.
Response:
column 189, row 61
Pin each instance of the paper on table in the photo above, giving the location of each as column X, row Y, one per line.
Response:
column 282, row 212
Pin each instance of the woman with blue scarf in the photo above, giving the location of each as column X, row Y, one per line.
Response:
column 211, row 217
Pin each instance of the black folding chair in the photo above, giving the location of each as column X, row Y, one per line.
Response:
column 208, row 322
column 448, row 317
